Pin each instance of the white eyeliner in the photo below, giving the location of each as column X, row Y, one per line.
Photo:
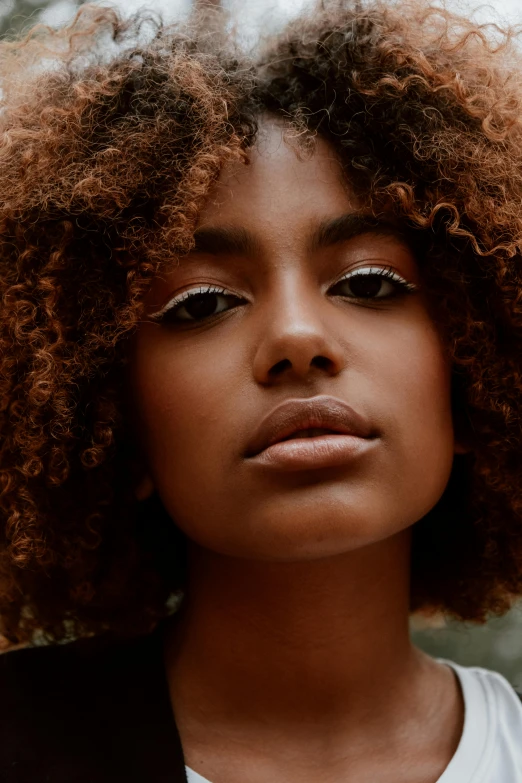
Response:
column 382, row 271
column 177, row 300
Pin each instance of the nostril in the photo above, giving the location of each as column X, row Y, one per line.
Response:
column 321, row 362
column 284, row 364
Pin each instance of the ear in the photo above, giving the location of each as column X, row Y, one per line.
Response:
column 144, row 488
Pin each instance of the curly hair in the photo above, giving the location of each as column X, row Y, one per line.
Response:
column 105, row 164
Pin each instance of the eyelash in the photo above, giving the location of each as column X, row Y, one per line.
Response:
column 369, row 272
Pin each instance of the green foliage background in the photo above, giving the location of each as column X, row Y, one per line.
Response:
column 12, row 21
column 17, row 16
column 496, row 645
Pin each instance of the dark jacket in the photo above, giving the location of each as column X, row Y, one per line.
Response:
column 88, row 712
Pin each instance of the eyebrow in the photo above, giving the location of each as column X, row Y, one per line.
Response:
column 226, row 241
column 346, row 227
column 229, row 240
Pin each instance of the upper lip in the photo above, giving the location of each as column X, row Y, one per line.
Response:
column 322, row 412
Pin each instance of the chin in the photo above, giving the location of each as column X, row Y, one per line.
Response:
column 302, row 537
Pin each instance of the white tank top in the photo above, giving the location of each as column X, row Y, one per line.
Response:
column 490, row 749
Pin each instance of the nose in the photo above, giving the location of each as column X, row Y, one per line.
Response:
column 297, row 341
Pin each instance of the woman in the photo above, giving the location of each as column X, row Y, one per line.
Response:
column 259, row 345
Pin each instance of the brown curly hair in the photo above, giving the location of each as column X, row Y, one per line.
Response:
column 105, row 163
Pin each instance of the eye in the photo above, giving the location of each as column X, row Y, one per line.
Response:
column 196, row 305
column 372, row 282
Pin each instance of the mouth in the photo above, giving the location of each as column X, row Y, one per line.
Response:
column 310, row 433
column 313, row 452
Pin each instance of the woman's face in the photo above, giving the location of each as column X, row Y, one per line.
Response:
column 298, row 322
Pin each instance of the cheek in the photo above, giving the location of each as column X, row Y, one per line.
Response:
column 415, row 378
column 182, row 396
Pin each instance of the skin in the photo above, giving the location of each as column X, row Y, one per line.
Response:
column 291, row 659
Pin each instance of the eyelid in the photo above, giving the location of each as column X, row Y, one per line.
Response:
column 373, row 269
column 178, row 299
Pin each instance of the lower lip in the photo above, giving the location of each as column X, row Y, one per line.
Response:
column 323, row 451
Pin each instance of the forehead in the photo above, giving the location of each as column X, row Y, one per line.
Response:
column 281, row 188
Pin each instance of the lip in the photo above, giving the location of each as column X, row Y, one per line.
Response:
column 350, row 434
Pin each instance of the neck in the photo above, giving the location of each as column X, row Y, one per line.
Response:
column 303, row 638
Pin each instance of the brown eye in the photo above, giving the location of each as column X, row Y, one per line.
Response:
column 195, row 306
column 371, row 283
column 201, row 306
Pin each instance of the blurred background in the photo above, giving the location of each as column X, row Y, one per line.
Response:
column 497, row 644
column 249, row 17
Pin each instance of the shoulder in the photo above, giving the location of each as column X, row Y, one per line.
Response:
column 492, row 723
column 66, row 708
column 504, row 702
column 40, row 677
column 499, row 694
column 45, row 677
